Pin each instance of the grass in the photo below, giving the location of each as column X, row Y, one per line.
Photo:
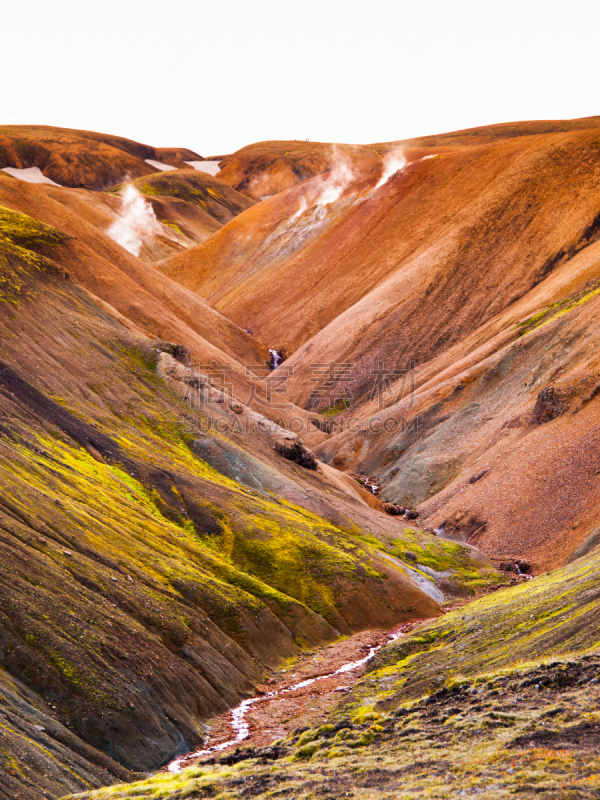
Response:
column 530, row 733
column 497, row 699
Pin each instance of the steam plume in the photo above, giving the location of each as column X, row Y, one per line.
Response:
column 136, row 222
column 337, row 180
column 393, row 161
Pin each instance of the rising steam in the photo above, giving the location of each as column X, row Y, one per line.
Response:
column 136, row 222
column 392, row 163
column 327, row 188
column 337, row 180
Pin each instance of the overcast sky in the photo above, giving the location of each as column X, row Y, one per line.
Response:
column 214, row 76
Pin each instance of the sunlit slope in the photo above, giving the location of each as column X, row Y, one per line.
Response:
column 144, row 589
column 265, row 168
column 189, row 206
column 82, row 158
column 148, row 301
column 499, row 442
column 191, row 203
column 411, row 266
column 436, row 268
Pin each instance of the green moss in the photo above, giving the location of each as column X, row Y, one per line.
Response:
column 172, row 224
column 26, row 232
column 549, row 614
column 337, row 408
column 558, row 309
column 20, row 237
column 419, row 549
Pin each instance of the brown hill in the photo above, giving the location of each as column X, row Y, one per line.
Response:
column 436, row 267
column 151, row 572
column 83, row 158
column 199, row 542
column 265, row 168
column 191, row 202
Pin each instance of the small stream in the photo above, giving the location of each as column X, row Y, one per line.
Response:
column 241, row 728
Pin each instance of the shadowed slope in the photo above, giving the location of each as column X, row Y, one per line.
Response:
column 495, row 699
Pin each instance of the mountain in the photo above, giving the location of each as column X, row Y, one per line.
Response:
column 331, row 392
column 166, row 543
column 83, row 159
column 497, row 698
column 447, row 269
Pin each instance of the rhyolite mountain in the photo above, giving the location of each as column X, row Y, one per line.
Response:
column 177, row 519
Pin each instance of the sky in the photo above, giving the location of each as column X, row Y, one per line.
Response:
column 215, row 76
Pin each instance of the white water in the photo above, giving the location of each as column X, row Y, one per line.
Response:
column 275, row 358
column 238, row 714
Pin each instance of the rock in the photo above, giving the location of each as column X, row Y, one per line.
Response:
column 524, row 567
column 478, row 476
column 293, row 448
column 509, row 566
column 549, row 405
column 393, row 509
column 412, row 514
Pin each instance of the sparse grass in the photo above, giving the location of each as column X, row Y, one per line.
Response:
column 531, row 733
column 558, row 309
column 420, row 549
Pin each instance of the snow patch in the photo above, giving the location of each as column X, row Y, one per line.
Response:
column 210, row 167
column 159, row 165
column 29, row 175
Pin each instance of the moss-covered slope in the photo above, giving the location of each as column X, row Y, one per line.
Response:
column 465, row 707
column 141, row 589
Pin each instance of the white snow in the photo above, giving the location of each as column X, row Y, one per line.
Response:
column 211, row 167
column 159, row 164
column 29, row 175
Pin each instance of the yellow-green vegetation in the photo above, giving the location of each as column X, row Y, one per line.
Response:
column 550, row 614
column 337, row 408
column 172, row 224
column 21, row 237
column 496, row 699
column 558, row 309
column 198, row 188
column 445, row 560
column 140, row 588
column 530, row 732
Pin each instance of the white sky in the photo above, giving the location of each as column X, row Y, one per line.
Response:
column 214, row 76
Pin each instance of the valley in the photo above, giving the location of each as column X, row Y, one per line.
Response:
column 306, row 437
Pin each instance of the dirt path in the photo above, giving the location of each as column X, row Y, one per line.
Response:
column 281, row 706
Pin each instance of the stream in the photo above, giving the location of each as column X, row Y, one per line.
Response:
column 237, row 716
